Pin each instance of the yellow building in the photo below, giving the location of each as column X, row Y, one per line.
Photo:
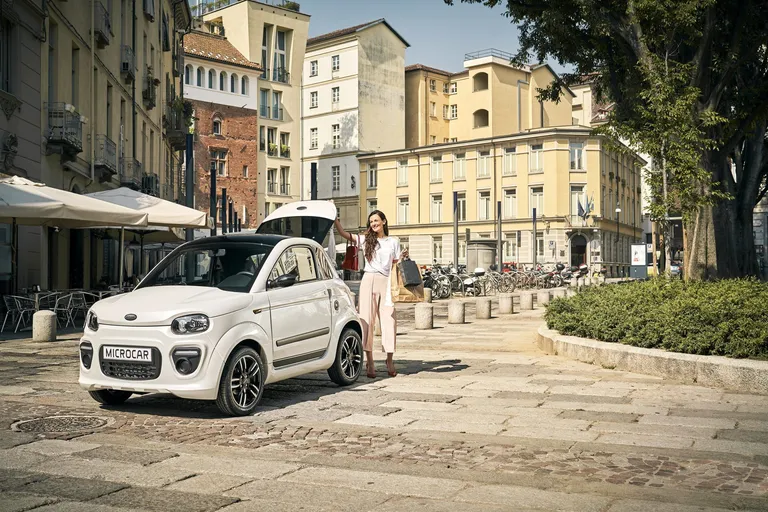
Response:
column 557, row 170
column 111, row 116
column 491, row 97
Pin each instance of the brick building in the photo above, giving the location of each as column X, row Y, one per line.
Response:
column 220, row 83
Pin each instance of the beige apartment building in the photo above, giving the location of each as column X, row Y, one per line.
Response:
column 111, row 117
column 275, row 37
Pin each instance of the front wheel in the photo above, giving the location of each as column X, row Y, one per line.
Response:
column 349, row 359
column 110, row 396
column 242, row 383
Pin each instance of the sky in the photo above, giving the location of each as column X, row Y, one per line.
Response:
column 439, row 34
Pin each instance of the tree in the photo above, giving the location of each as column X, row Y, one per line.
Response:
column 689, row 80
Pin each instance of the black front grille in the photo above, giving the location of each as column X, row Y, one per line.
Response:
column 131, row 371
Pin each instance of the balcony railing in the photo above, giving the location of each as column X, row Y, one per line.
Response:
column 103, row 25
column 281, row 75
column 264, row 111
column 264, row 74
column 575, row 221
column 176, row 128
column 277, row 114
column 285, row 189
column 149, row 92
column 490, row 52
column 128, row 63
column 105, row 154
column 131, row 173
column 272, row 150
column 285, row 151
column 271, row 187
column 150, row 184
column 65, row 128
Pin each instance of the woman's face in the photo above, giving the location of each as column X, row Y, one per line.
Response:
column 377, row 225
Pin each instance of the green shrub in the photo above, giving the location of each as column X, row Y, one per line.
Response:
column 727, row 318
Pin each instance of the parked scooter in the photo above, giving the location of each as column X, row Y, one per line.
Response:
column 473, row 286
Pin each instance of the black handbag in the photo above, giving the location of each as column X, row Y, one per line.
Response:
column 409, row 270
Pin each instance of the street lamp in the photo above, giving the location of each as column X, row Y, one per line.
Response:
column 618, row 211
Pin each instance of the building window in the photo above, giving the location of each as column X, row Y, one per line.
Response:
column 279, row 72
column 403, row 208
column 436, row 209
column 433, row 139
column 285, row 181
column 373, row 178
column 219, row 159
column 484, row 205
column 233, row 83
column 244, row 86
column 539, row 244
column 454, row 139
column 335, row 95
column 483, row 164
column 433, row 85
column 460, row 166
column 199, row 77
column 373, row 205
column 262, row 138
column 445, row 116
column 577, row 151
column 188, row 74
column 336, row 177
column 537, row 201
column 313, row 138
column 336, row 132
column 454, row 112
column 461, row 206
column 537, row 158
column 578, row 200
column 402, row 173
column 222, row 80
column 510, row 204
column 277, row 105
column 211, row 78
column 511, row 246
column 217, row 126
column 481, row 118
column 313, row 68
column 480, row 82
column 313, row 99
column 285, row 145
column 437, row 248
column 245, row 171
column 335, row 63
column 271, row 181
column 433, row 109
column 435, row 169
column 510, row 162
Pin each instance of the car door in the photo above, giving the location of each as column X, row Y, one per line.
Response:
column 301, row 311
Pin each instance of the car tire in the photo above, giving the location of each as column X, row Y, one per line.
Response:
column 242, row 383
column 110, row 396
column 349, row 358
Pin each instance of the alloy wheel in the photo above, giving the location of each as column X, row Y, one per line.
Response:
column 245, row 381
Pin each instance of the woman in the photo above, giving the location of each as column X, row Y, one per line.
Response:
column 380, row 252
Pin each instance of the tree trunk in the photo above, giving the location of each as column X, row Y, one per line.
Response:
column 701, row 261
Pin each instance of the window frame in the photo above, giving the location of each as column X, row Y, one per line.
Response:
column 298, row 282
column 335, row 63
column 313, row 67
column 489, row 213
column 313, row 138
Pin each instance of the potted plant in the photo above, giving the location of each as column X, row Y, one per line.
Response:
column 284, row 149
column 272, row 148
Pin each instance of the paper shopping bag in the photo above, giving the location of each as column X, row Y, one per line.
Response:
column 401, row 292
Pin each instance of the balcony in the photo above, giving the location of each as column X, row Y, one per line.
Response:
column 128, row 63
column 177, row 122
column 102, row 25
column 150, row 184
column 65, row 129
column 105, row 157
column 281, row 75
column 575, row 221
column 271, row 187
column 130, row 173
column 285, row 189
column 490, row 52
column 149, row 91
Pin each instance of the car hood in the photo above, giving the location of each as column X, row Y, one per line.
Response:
column 159, row 305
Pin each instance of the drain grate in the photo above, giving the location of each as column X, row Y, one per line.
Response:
column 61, row 424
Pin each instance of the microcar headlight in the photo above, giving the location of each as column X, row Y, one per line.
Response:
column 190, row 324
column 92, row 321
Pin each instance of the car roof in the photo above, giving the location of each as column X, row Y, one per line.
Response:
column 249, row 238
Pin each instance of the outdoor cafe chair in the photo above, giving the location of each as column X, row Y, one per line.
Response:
column 78, row 306
column 63, row 310
column 18, row 307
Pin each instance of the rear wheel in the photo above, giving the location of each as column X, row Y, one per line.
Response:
column 110, row 396
column 242, row 383
column 349, row 359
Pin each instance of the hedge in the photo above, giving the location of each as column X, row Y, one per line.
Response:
column 727, row 318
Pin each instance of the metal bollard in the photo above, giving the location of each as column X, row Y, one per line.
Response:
column 424, row 316
column 506, row 304
column 483, row 308
column 526, row 301
column 542, row 297
column 456, row 311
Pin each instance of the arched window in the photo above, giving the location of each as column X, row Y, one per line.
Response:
column 211, row 78
column 217, row 125
column 222, row 81
column 233, row 83
column 200, row 75
column 188, row 74
column 244, row 85
column 480, row 81
column 481, row 118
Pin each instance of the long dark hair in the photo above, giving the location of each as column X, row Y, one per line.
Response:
column 371, row 238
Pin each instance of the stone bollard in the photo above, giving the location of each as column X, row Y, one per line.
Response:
column 428, row 295
column 571, row 292
column 587, row 281
column 44, row 326
column 558, row 293
column 506, row 304
column 580, row 283
column 574, row 282
column 424, row 316
column 483, row 308
column 526, row 301
column 542, row 297
column 456, row 311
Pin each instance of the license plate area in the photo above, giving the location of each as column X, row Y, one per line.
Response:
column 133, row 366
column 127, row 354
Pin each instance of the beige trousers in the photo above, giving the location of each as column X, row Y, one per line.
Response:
column 373, row 290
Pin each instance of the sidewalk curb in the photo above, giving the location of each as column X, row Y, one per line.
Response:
column 744, row 375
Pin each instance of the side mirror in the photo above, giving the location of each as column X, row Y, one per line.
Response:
column 283, row 281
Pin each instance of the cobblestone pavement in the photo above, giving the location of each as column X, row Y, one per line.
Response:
column 477, row 418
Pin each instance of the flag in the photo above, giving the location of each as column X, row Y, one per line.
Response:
column 581, row 208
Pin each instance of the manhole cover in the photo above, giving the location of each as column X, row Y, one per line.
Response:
column 61, row 424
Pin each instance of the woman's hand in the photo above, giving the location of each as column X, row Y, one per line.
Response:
column 404, row 254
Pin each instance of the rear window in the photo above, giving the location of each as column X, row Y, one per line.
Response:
column 314, row 228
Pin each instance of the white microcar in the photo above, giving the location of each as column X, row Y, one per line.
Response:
column 221, row 317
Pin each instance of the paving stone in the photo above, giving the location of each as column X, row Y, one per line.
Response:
column 686, row 421
column 16, row 502
column 244, row 467
column 722, row 445
column 750, row 436
column 404, row 485
column 54, row 447
column 310, row 495
column 533, row 498
column 758, row 426
column 16, row 458
column 704, row 413
column 114, row 471
column 398, row 504
column 12, row 480
column 582, row 390
column 465, row 416
column 656, row 506
column 11, row 439
column 126, row 454
column 375, row 421
column 586, row 398
column 417, row 405
column 653, row 430
column 543, row 431
column 614, row 417
column 644, row 440
column 208, row 483
column 79, row 489
column 163, row 500
column 554, row 423
column 464, row 427
column 258, row 505
column 625, row 408
column 78, row 506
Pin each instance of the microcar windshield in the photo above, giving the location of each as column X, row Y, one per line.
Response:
column 229, row 266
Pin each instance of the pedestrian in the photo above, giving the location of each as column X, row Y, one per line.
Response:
column 380, row 251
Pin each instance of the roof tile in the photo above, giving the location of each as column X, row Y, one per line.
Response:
column 215, row 47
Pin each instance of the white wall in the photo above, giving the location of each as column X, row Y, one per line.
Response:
column 348, row 63
column 236, row 99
